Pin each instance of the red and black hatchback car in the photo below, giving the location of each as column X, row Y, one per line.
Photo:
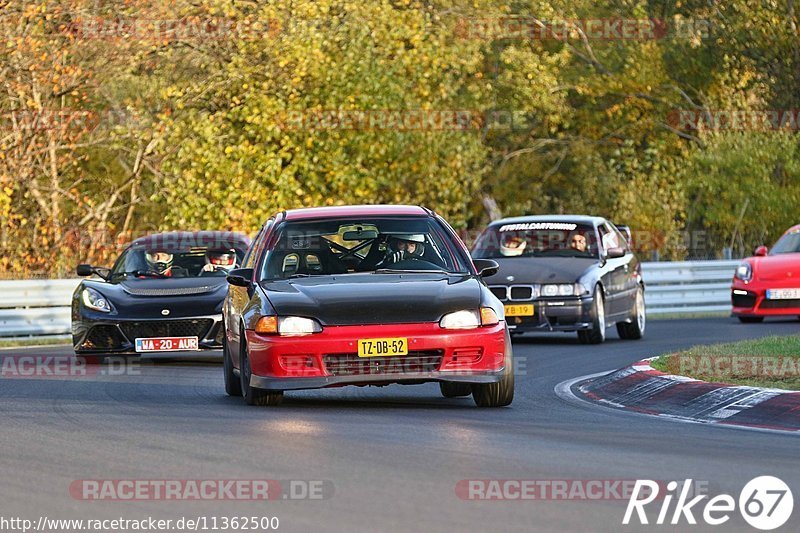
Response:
column 364, row 295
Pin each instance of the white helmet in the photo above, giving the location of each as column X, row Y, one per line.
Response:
column 512, row 246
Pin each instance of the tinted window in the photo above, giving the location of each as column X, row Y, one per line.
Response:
column 788, row 244
column 536, row 239
column 342, row 246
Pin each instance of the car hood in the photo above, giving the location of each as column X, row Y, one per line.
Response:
column 373, row 298
column 778, row 267
column 530, row 270
column 146, row 299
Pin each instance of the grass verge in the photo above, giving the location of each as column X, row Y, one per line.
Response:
column 33, row 341
column 772, row 362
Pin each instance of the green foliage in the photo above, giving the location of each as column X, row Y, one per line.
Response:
column 222, row 131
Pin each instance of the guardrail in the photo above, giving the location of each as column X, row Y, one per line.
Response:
column 35, row 307
column 42, row 307
column 688, row 287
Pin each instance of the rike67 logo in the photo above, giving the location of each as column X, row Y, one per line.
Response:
column 765, row 503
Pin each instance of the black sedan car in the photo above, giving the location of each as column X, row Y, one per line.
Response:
column 163, row 294
column 565, row 273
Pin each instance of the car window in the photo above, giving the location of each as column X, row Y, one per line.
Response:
column 788, row 244
column 250, row 258
column 537, row 239
column 344, row 246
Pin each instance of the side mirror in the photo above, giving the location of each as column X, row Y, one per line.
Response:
column 761, row 251
column 84, row 270
column 240, row 277
column 486, row 267
column 614, row 253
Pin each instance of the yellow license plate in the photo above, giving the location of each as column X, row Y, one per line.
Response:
column 519, row 310
column 382, row 347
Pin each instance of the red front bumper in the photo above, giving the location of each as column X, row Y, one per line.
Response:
column 330, row 358
column 754, row 301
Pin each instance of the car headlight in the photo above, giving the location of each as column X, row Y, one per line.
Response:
column 94, row 300
column 287, row 326
column 295, row 325
column 469, row 319
column 564, row 289
column 744, row 272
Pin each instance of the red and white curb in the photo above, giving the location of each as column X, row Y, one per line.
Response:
column 642, row 389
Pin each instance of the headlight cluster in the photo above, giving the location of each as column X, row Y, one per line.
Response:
column 744, row 272
column 469, row 319
column 287, row 326
column 92, row 299
column 564, row 289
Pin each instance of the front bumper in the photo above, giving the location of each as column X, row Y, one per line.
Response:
column 330, row 358
column 750, row 299
column 554, row 314
column 93, row 335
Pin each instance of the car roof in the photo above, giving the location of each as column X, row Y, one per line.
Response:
column 191, row 239
column 576, row 219
column 355, row 211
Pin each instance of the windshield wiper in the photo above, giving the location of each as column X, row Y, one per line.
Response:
column 408, row 271
column 142, row 274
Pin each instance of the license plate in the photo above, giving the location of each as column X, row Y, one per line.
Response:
column 167, row 344
column 382, row 347
column 519, row 310
column 783, row 294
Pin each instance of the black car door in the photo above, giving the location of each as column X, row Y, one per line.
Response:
column 239, row 297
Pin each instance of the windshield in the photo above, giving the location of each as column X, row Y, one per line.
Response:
column 164, row 262
column 788, row 244
column 537, row 239
column 379, row 245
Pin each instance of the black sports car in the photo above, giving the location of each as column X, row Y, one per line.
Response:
column 163, row 294
column 565, row 273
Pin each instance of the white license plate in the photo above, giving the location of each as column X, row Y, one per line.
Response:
column 167, row 344
column 783, row 294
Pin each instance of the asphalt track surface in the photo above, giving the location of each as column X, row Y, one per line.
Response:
column 393, row 455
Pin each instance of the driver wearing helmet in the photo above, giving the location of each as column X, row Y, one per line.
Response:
column 160, row 262
column 512, row 245
column 219, row 261
column 405, row 247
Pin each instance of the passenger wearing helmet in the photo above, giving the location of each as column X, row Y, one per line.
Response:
column 219, row 261
column 512, row 245
column 159, row 261
column 405, row 247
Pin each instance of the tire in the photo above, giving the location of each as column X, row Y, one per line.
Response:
column 455, row 390
column 253, row 396
column 597, row 334
column 233, row 385
column 498, row 394
column 635, row 329
column 751, row 319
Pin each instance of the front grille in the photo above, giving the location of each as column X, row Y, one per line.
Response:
column 167, row 328
column 521, row 293
column 780, row 304
column 103, row 338
column 351, row 364
column 743, row 300
column 500, row 292
column 186, row 291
